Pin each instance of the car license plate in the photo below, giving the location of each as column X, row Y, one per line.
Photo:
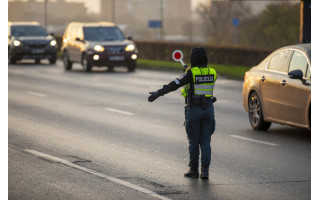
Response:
column 116, row 58
column 37, row 51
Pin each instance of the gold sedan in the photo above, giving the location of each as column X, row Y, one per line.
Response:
column 279, row 89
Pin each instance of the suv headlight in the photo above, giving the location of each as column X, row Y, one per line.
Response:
column 53, row 43
column 130, row 47
column 98, row 48
column 16, row 43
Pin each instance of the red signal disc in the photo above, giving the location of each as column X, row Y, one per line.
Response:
column 177, row 55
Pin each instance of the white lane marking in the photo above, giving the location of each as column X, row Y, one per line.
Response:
column 95, row 173
column 119, row 111
column 37, row 94
column 252, row 140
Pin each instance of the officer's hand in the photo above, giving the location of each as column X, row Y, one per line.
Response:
column 185, row 67
column 153, row 96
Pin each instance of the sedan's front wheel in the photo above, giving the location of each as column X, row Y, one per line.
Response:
column 66, row 62
column 131, row 67
column 255, row 113
column 85, row 64
column 53, row 60
column 11, row 59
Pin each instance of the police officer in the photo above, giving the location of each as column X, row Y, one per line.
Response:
column 199, row 111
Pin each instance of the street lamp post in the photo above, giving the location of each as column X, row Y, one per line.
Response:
column 305, row 21
column 113, row 6
column 46, row 14
column 162, row 19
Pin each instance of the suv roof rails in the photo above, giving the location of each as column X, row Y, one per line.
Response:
column 24, row 23
column 101, row 23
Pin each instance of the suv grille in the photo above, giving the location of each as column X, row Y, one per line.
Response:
column 115, row 50
column 37, row 45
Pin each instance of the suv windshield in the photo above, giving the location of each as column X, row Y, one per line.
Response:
column 103, row 34
column 21, row 31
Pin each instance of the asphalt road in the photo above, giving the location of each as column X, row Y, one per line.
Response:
column 76, row 135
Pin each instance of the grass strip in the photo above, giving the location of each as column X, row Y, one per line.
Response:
column 228, row 71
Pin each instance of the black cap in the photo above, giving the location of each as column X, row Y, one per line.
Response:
column 198, row 57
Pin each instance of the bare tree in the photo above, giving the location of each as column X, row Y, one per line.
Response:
column 217, row 19
column 188, row 29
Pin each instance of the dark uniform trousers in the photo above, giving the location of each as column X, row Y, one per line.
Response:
column 200, row 125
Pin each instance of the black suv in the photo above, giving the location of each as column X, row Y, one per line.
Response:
column 97, row 44
column 29, row 40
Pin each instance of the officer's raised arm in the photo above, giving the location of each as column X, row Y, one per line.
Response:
column 172, row 86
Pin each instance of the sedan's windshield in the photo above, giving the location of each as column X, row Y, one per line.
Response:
column 103, row 34
column 25, row 31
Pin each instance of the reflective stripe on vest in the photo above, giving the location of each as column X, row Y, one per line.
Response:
column 204, row 92
column 203, row 87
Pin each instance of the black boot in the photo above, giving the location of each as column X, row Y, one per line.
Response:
column 192, row 172
column 204, row 172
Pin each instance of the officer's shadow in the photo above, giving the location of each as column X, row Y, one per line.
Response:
column 205, row 189
column 198, row 184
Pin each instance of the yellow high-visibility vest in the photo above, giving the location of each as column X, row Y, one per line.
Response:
column 203, row 80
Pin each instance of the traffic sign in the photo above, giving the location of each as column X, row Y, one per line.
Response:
column 155, row 24
column 236, row 22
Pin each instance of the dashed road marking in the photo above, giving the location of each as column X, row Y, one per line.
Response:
column 95, row 173
column 252, row 140
column 36, row 94
column 119, row 111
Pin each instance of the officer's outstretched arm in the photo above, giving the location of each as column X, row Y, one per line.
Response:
column 172, row 86
column 166, row 89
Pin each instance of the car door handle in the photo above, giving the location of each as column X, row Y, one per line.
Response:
column 284, row 82
column 263, row 78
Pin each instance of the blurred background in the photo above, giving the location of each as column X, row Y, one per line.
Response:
column 262, row 24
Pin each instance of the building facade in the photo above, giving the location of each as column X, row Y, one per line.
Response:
column 59, row 13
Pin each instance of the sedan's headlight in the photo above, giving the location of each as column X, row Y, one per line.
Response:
column 130, row 47
column 53, row 43
column 98, row 48
column 16, row 43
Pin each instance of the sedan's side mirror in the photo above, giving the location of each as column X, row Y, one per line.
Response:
column 129, row 38
column 78, row 39
column 52, row 34
column 9, row 36
column 296, row 74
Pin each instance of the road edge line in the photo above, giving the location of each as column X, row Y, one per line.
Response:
column 36, row 94
column 95, row 173
column 253, row 140
column 119, row 111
